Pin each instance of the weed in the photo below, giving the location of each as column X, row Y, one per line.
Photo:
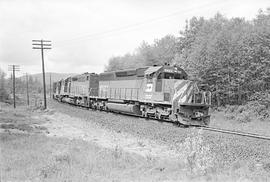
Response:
column 243, row 117
column 141, row 144
column 22, row 127
column 117, row 152
column 197, row 154
column 19, row 115
column 64, row 158
column 230, row 109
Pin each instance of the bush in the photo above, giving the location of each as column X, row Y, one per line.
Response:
column 243, row 117
column 230, row 108
column 245, row 113
column 262, row 97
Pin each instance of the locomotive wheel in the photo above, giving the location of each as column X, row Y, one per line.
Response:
column 158, row 116
column 145, row 115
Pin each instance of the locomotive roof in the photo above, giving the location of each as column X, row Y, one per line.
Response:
column 141, row 72
column 83, row 74
column 152, row 69
column 124, row 73
column 148, row 70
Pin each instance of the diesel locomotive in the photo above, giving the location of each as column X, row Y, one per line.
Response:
column 161, row 92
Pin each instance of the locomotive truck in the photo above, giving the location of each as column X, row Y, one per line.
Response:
column 161, row 92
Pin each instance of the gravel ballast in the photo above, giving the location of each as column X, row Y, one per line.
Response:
column 231, row 153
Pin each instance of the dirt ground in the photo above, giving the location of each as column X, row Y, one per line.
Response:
column 47, row 145
column 67, row 144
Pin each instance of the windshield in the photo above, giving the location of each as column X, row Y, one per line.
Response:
column 170, row 76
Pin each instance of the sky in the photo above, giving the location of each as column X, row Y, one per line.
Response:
column 86, row 33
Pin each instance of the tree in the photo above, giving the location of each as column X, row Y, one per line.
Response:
column 161, row 51
column 3, row 91
column 230, row 55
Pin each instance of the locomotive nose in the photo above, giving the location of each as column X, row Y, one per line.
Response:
column 189, row 104
column 183, row 90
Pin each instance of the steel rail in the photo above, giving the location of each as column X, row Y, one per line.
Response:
column 240, row 133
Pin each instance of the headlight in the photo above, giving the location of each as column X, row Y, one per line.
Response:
column 198, row 114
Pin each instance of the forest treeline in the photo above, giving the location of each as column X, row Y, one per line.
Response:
column 231, row 56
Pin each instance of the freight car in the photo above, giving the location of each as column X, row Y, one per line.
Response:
column 161, row 92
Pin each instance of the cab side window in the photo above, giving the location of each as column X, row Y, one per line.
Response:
column 168, row 76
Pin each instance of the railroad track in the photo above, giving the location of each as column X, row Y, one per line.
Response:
column 208, row 128
column 233, row 132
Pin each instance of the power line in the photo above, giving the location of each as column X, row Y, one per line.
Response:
column 127, row 27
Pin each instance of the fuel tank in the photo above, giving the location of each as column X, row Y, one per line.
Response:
column 67, row 100
column 125, row 108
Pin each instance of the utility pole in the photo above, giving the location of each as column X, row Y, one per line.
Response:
column 41, row 44
column 14, row 68
column 50, row 85
column 27, row 90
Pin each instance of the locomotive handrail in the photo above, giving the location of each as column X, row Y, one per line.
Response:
column 204, row 97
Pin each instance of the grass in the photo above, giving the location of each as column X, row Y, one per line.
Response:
column 47, row 159
column 32, row 156
column 39, row 158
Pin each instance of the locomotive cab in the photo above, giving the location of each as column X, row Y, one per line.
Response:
column 158, row 90
column 159, row 83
